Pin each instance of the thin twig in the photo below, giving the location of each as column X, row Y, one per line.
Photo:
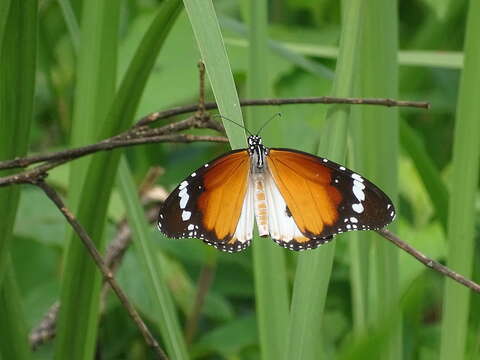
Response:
column 201, row 85
column 282, row 101
column 150, row 136
column 46, row 329
column 429, row 262
column 107, row 274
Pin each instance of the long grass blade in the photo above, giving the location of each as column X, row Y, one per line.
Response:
column 18, row 54
column 18, row 35
column 13, row 332
column 81, row 280
column 272, row 311
column 96, row 74
column 165, row 312
column 206, row 29
column 461, row 215
column 379, row 148
column 436, row 188
column 314, row 268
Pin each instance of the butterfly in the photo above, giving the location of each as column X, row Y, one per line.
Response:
column 298, row 199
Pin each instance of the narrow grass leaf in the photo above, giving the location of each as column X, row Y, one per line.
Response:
column 18, row 49
column 431, row 178
column 271, row 293
column 464, row 187
column 13, row 332
column 165, row 312
column 96, row 74
column 277, row 47
column 379, row 148
column 206, row 29
column 424, row 58
column 80, row 272
column 314, row 268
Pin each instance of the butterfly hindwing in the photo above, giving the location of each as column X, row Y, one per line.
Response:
column 281, row 225
column 325, row 198
column 208, row 204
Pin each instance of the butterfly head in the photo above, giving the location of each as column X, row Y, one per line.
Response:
column 258, row 151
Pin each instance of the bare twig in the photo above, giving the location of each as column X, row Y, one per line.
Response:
column 201, row 84
column 107, row 274
column 46, row 330
column 429, row 262
column 150, row 136
column 56, row 159
column 282, row 101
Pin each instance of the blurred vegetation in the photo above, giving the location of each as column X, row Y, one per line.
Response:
column 307, row 32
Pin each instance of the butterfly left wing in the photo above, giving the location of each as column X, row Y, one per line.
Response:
column 213, row 204
column 324, row 198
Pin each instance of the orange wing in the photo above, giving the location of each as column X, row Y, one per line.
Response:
column 325, row 198
column 221, row 201
column 207, row 204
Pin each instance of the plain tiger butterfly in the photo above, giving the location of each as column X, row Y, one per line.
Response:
column 300, row 200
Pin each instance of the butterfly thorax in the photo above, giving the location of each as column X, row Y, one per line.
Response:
column 257, row 152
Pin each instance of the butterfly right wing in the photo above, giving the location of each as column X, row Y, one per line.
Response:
column 214, row 204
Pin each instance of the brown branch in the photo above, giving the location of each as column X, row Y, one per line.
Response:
column 56, row 159
column 141, row 134
column 429, row 262
column 46, row 330
column 150, row 136
column 282, row 101
column 107, row 274
column 201, row 84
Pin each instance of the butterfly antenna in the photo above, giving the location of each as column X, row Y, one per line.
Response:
column 225, row 118
column 266, row 122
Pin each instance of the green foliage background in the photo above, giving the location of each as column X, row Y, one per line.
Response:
column 92, row 69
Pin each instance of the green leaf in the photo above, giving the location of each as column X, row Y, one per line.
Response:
column 18, row 55
column 314, row 268
column 212, row 49
column 13, row 332
column 78, row 317
column 272, row 311
column 164, row 310
column 18, row 31
column 379, row 150
column 464, row 183
column 78, row 323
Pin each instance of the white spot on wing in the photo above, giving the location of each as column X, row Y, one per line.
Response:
column 358, row 190
column 193, row 174
column 183, row 185
column 358, row 208
column 183, row 198
column 357, row 177
column 342, row 168
column 190, row 227
column 186, row 215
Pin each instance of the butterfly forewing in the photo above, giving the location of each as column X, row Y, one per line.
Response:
column 325, row 198
column 208, row 204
